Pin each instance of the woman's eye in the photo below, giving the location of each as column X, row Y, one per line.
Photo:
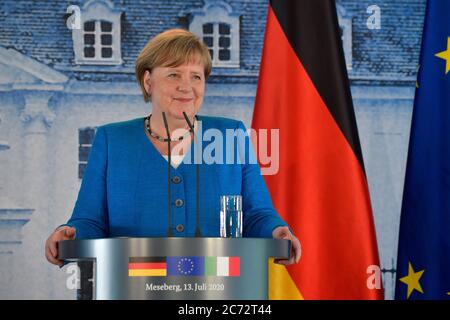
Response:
column 173, row 75
column 197, row 77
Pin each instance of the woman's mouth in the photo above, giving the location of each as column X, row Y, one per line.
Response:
column 183, row 100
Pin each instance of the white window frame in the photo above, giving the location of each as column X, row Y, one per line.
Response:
column 217, row 12
column 98, row 10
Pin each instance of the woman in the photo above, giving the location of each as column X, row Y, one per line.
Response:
column 124, row 189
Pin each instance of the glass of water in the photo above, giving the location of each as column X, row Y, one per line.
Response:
column 231, row 216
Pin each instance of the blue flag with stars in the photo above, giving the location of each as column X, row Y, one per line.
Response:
column 423, row 264
column 185, row 266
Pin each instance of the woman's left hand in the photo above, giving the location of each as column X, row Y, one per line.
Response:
column 296, row 249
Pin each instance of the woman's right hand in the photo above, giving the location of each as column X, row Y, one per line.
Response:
column 51, row 245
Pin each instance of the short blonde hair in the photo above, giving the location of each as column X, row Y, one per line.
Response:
column 171, row 48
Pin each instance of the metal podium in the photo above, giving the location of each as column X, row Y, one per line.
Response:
column 178, row 268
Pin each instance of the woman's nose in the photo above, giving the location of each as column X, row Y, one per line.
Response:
column 184, row 85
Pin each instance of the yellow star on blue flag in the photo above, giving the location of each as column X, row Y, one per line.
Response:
column 446, row 56
column 412, row 280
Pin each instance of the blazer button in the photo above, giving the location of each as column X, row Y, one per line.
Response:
column 179, row 202
column 176, row 179
column 180, row 228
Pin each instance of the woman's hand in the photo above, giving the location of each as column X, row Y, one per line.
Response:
column 296, row 249
column 51, row 245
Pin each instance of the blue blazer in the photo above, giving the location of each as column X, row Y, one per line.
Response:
column 124, row 188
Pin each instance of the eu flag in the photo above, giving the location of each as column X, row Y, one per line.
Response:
column 185, row 266
column 423, row 264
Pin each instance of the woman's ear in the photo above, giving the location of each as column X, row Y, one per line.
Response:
column 147, row 82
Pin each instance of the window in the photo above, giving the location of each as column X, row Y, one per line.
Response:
column 98, row 40
column 85, row 138
column 219, row 29
column 345, row 28
column 217, row 37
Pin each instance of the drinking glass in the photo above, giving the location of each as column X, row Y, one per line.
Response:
column 231, row 216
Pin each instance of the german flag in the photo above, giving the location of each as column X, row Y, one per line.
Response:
column 320, row 188
column 147, row 267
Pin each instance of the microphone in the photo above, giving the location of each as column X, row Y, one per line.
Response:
column 197, row 225
column 169, row 194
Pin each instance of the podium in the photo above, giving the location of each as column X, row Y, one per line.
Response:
column 177, row 268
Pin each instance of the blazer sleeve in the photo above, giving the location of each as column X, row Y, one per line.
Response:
column 260, row 217
column 90, row 215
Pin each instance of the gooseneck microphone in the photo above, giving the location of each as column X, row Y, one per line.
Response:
column 169, row 194
column 197, row 225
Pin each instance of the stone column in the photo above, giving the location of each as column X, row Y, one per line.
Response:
column 37, row 119
column 12, row 220
column 12, row 217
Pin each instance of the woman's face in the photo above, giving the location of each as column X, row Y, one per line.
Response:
column 176, row 89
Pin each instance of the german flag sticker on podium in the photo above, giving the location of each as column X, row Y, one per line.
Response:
column 147, row 267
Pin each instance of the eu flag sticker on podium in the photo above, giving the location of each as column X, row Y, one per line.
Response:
column 185, row 266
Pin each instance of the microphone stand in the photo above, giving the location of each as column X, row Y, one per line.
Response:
column 197, row 226
column 169, row 197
